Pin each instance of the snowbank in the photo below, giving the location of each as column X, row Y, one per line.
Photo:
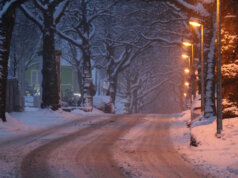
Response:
column 78, row 112
column 218, row 157
column 196, row 103
column 103, row 103
column 13, row 125
column 100, row 101
column 36, row 118
column 196, row 107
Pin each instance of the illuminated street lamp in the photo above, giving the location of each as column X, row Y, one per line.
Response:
column 186, row 70
column 190, row 59
column 188, row 44
column 219, row 75
column 197, row 24
column 185, row 95
column 185, row 56
column 186, row 84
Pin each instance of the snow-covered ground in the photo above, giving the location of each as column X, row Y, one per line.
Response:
column 26, row 131
column 217, row 157
column 35, row 118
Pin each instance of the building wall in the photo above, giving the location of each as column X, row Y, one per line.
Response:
column 66, row 78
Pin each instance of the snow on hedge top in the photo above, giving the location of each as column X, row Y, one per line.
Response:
column 230, row 71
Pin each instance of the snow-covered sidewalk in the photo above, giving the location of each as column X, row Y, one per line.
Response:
column 217, row 157
column 35, row 118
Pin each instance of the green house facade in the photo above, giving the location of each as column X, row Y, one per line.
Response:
column 68, row 77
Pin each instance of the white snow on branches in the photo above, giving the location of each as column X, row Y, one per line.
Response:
column 208, row 1
column 6, row 7
column 197, row 8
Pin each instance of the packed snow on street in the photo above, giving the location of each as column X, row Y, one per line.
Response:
column 71, row 144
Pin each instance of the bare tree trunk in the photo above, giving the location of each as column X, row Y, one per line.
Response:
column 87, row 85
column 6, row 28
column 133, row 95
column 113, row 88
column 21, row 80
column 50, row 94
column 14, row 62
column 210, row 78
column 87, row 78
column 135, row 101
column 87, row 71
column 79, row 77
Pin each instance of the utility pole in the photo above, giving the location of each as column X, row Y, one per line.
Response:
column 219, row 75
column 202, row 70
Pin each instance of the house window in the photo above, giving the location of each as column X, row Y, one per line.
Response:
column 35, row 77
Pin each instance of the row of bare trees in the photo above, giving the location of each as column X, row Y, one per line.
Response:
column 111, row 36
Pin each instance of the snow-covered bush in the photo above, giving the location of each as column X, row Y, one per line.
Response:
column 230, row 59
column 230, row 71
column 230, row 109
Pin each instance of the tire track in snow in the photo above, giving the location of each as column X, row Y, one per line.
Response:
column 14, row 149
column 147, row 151
column 96, row 157
column 35, row 164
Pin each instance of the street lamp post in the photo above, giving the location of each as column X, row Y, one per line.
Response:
column 185, row 56
column 196, row 24
column 191, row 66
column 202, row 70
column 188, row 44
column 187, row 71
column 219, row 80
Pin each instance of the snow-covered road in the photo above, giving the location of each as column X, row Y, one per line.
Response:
column 97, row 146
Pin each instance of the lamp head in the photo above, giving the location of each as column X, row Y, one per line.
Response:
column 187, row 44
column 186, row 84
column 186, row 70
column 195, row 22
column 185, row 56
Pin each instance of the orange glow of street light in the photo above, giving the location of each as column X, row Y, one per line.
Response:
column 195, row 24
column 186, row 70
column 186, row 84
column 187, row 44
column 185, row 56
column 185, row 94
